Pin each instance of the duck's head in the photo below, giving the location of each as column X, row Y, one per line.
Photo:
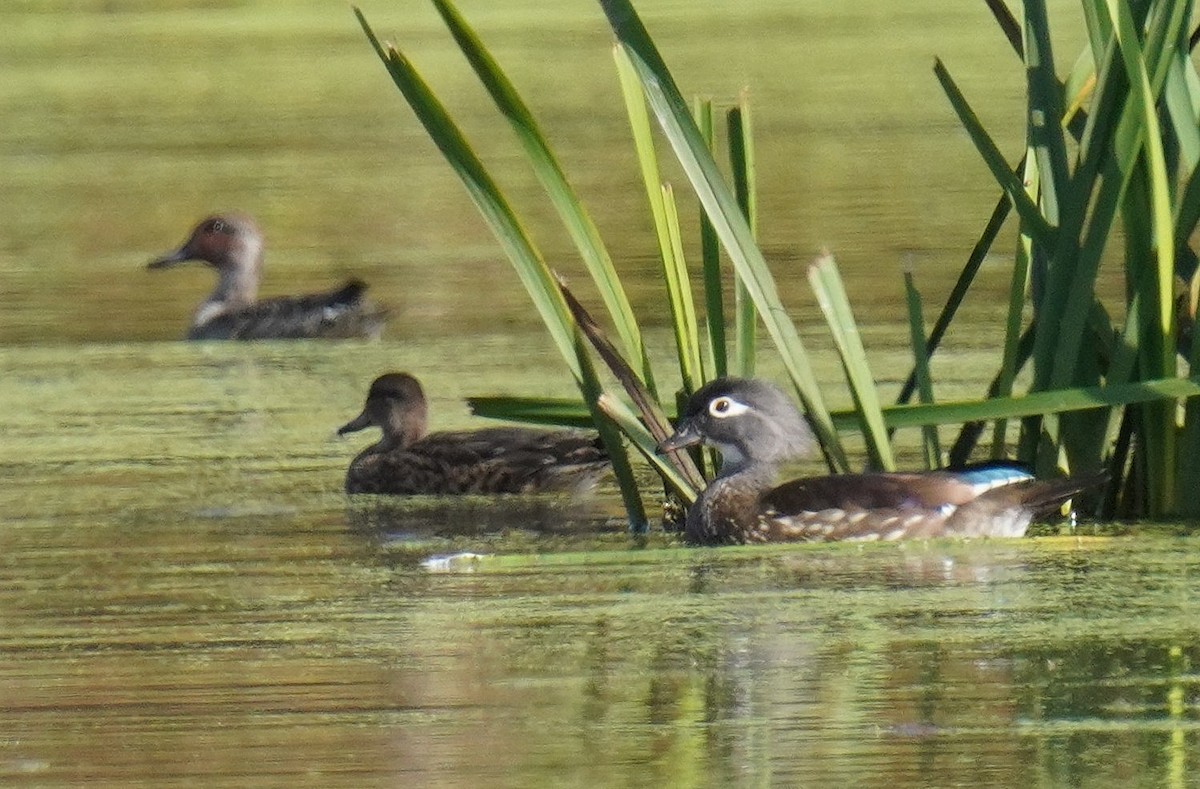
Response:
column 395, row 404
column 750, row 421
column 224, row 241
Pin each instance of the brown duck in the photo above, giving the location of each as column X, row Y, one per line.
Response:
column 756, row 428
column 408, row 461
column 232, row 244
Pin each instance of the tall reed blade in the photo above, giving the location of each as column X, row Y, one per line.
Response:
column 741, row 158
column 1058, row 401
column 710, row 255
column 991, row 155
column 679, row 299
column 916, row 328
column 528, row 262
column 1018, row 288
column 827, row 284
column 571, row 210
column 721, row 206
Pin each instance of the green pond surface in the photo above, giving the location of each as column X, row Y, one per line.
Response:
column 188, row 598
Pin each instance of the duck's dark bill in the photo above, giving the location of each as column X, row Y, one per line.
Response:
column 683, row 437
column 360, row 422
column 170, row 259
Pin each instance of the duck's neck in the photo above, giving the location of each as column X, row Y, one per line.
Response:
column 401, row 431
column 238, row 278
column 728, row 508
column 391, row 441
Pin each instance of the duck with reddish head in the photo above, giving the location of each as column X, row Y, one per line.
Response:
column 232, row 244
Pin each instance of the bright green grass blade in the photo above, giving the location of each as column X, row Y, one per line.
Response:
column 906, row 416
column 931, row 447
column 571, row 210
column 643, row 136
column 1159, row 187
column 710, row 256
column 1160, row 430
column 1180, row 110
column 666, row 220
column 827, row 284
column 558, row 411
column 679, row 299
column 995, row 160
column 1057, row 401
column 722, row 208
column 537, row 278
column 741, row 158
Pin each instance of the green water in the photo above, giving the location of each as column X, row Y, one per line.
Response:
column 186, row 596
column 127, row 120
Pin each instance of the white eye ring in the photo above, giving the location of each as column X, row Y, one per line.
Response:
column 725, row 407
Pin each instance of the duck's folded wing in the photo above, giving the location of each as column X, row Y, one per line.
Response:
column 417, row 473
column 516, row 444
column 904, row 506
column 414, row 474
column 342, row 313
column 871, row 491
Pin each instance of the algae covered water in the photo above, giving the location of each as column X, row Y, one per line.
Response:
column 186, row 595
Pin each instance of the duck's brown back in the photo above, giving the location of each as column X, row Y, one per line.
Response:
column 496, row 460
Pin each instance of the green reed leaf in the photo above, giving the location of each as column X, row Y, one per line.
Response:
column 995, row 160
column 931, row 447
column 570, row 207
column 831, row 296
column 741, row 158
column 531, row 268
column 721, row 206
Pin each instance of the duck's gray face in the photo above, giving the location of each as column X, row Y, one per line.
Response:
column 223, row 241
column 747, row 420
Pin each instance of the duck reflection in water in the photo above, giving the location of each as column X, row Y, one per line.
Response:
column 756, row 428
column 409, row 461
column 232, row 244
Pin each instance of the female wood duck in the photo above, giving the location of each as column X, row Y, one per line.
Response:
column 406, row 461
column 756, row 427
column 233, row 245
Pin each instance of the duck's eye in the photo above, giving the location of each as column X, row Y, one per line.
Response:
column 724, row 407
column 217, row 226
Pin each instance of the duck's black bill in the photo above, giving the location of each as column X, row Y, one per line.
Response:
column 360, row 422
column 170, row 259
column 683, row 437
